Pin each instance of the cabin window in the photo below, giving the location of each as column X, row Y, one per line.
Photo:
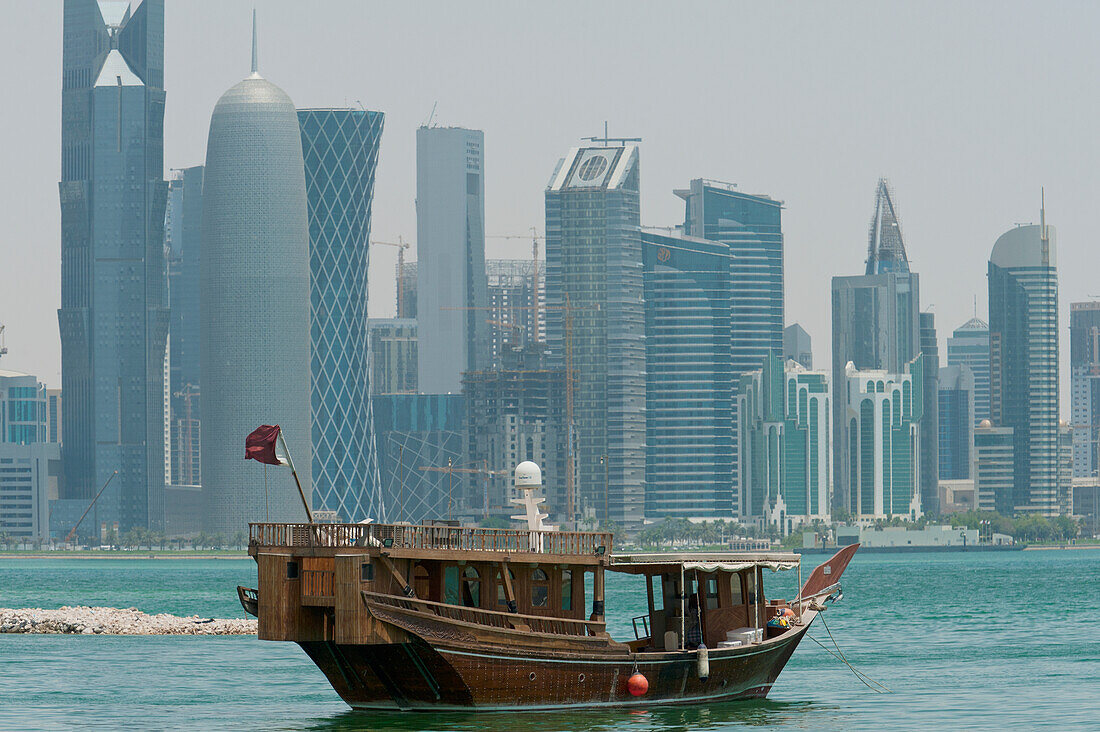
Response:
column 735, row 589
column 502, row 598
column 421, row 582
column 567, row 589
column 658, row 596
column 292, row 570
column 366, row 572
column 750, row 583
column 471, row 587
column 712, row 592
column 450, row 585
column 540, row 589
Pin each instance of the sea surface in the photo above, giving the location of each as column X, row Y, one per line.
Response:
column 963, row 641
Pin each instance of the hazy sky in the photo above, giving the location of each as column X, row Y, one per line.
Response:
column 967, row 108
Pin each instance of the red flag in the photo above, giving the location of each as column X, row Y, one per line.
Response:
column 260, row 445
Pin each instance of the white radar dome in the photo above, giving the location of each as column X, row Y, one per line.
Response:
column 528, row 475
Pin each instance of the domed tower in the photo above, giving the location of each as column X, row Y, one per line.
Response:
column 254, row 303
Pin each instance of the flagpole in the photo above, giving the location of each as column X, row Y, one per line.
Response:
column 301, row 493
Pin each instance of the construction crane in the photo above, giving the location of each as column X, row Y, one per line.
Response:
column 89, row 508
column 3, row 349
column 535, row 238
column 450, row 470
column 568, row 311
column 401, row 245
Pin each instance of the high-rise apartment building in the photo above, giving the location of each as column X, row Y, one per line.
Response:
column 393, row 355
column 929, row 436
column 956, row 422
column 969, row 346
column 786, row 445
column 1084, row 364
column 797, row 346
column 881, row 436
column 876, row 323
column 515, row 292
column 752, row 226
column 689, row 381
column 183, row 242
column 255, row 295
column 594, row 267
column 113, row 316
column 1023, row 342
column 450, row 252
column 340, row 151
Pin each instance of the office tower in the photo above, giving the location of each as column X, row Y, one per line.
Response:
column 876, row 321
column 113, row 317
column 406, row 290
column 450, row 252
column 255, row 304
column 515, row 292
column 956, row 422
column 28, row 480
column 514, row 412
column 786, row 445
column 797, row 346
column 183, row 241
column 393, row 355
column 1023, row 345
column 23, row 403
column 881, row 436
column 969, row 346
column 752, row 226
column 1084, row 364
column 420, row 454
column 1065, row 468
column 994, row 466
column 929, row 436
column 689, row 382
column 594, row 268
column 340, row 150
column 55, row 414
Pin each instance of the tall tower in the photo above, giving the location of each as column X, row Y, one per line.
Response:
column 340, row 147
column 113, row 317
column 254, row 302
column 1023, row 345
column 450, row 252
column 594, row 266
column 1084, row 364
column 969, row 346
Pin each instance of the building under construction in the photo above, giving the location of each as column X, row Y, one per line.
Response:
column 514, row 413
column 393, row 346
column 515, row 292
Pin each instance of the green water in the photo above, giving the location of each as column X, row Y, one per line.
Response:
column 965, row 641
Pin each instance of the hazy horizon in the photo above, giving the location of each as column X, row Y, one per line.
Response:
column 968, row 111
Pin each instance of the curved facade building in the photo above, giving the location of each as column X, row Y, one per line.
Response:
column 340, row 148
column 254, row 304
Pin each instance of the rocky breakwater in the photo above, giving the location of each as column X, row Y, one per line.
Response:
column 117, row 621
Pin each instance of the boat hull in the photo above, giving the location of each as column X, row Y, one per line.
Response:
column 416, row 676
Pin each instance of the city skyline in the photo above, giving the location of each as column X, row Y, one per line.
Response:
column 825, row 200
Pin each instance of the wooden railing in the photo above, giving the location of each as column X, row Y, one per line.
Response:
column 491, row 618
column 318, row 583
column 428, row 537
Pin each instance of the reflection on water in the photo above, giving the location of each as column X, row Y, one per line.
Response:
column 755, row 713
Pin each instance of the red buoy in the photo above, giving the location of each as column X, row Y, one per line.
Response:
column 637, row 684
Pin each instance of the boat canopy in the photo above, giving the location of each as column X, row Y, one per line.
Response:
column 703, row 561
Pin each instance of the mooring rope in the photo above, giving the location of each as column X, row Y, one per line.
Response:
column 839, row 655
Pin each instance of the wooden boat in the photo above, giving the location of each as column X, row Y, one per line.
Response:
column 435, row 617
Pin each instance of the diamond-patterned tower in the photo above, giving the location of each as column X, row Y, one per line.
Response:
column 340, row 150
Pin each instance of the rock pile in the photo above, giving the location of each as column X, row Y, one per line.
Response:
column 116, row 621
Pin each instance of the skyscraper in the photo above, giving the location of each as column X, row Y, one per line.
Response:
column 393, row 355
column 255, row 304
column 340, row 150
column 450, row 252
column 113, row 317
column 689, row 382
column 969, row 346
column 876, row 321
column 1084, row 364
column 594, row 267
column 752, row 226
column 956, row 422
column 929, row 434
column 797, row 346
column 514, row 290
column 183, row 237
column 1023, row 344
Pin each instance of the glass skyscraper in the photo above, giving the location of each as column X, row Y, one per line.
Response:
column 969, row 346
column 594, row 267
column 1023, row 344
column 956, row 422
column 340, row 149
column 1084, row 364
column 113, row 317
column 689, row 382
column 752, row 227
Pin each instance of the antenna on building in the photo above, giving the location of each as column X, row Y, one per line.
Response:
column 432, row 115
column 255, row 54
column 3, row 348
column 605, row 139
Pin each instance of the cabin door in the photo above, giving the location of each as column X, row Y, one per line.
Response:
column 721, row 599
